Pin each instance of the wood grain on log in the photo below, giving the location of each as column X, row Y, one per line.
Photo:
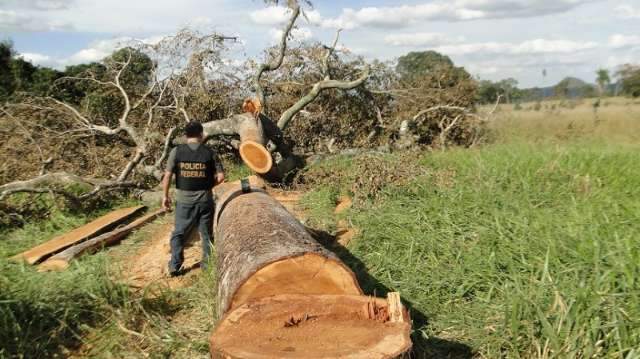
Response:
column 61, row 260
column 252, row 141
column 263, row 251
column 78, row 235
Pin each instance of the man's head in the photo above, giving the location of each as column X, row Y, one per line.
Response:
column 193, row 130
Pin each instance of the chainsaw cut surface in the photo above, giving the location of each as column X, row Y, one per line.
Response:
column 306, row 326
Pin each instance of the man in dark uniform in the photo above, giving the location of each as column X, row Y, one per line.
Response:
column 197, row 170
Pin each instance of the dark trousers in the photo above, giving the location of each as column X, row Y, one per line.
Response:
column 188, row 215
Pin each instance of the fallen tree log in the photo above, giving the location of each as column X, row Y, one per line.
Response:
column 61, row 260
column 80, row 234
column 259, row 243
column 272, row 272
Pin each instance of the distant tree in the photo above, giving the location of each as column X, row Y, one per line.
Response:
column 422, row 63
column 22, row 72
column 488, row 92
column 509, row 88
column 629, row 77
column 603, row 79
column 6, row 77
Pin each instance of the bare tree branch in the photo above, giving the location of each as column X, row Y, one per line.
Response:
column 315, row 91
column 51, row 183
column 327, row 57
column 276, row 62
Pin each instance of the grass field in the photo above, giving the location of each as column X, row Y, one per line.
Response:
column 522, row 250
column 526, row 247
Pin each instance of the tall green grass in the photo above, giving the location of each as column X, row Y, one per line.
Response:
column 520, row 251
column 46, row 314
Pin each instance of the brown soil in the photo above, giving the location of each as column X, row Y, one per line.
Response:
column 326, row 326
column 148, row 265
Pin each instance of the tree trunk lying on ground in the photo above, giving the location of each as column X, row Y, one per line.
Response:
column 78, row 235
column 276, row 282
column 61, row 260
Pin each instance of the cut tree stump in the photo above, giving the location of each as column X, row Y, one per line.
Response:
column 282, row 294
column 61, row 260
column 78, row 235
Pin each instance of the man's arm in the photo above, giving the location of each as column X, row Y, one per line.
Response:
column 219, row 170
column 166, row 180
column 166, row 184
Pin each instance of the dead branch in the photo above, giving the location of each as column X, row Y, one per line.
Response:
column 276, row 62
column 55, row 182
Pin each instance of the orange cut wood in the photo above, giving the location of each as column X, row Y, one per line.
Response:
column 77, row 235
column 60, row 261
column 311, row 326
column 309, row 273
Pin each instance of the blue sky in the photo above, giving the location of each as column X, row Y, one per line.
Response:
column 493, row 39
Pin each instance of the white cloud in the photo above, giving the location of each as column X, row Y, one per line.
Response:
column 529, row 47
column 299, row 34
column 421, row 39
column 619, row 41
column 40, row 4
column 407, row 15
column 272, row 15
column 626, row 11
column 14, row 21
column 38, row 59
column 95, row 52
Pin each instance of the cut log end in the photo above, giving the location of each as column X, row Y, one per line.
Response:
column 256, row 157
column 313, row 326
column 306, row 274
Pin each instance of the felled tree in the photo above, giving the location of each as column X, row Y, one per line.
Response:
column 107, row 125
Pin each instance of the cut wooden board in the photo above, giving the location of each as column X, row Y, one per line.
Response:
column 61, row 260
column 36, row 254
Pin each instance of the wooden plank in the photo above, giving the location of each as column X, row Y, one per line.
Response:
column 38, row 253
column 61, row 260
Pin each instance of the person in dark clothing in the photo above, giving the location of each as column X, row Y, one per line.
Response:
column 197, row 170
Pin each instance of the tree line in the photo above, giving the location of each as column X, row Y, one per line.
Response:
column 627, row 84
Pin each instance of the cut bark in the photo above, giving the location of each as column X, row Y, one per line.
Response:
column 311, row 326
column 264, row 251
column 96, row 227
column 61, row 260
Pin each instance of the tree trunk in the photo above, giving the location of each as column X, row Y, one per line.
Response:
column 263, row 251
column 61, row 260
column 282, row 294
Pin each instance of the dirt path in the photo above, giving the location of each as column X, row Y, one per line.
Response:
column 147, row 265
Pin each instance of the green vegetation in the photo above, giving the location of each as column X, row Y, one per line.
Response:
column 56, row 314
column 42, row 314
column 514, row 249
